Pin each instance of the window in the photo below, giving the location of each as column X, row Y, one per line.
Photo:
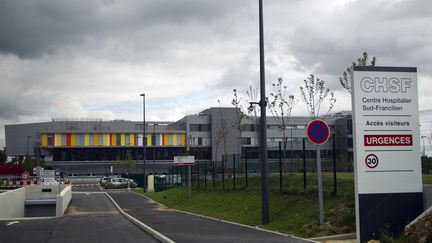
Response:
column 199, row 127
column 248, row 127
column 246, row 141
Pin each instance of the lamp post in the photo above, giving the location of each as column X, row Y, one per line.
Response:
column 263, row 126
column 144, row 144
column 154, row 146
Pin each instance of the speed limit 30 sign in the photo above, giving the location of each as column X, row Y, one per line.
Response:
column 371, row 161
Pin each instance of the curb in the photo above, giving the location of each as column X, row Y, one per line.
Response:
column 229, row 222
column 26, row 219
column 155, row 234
column 335, row 237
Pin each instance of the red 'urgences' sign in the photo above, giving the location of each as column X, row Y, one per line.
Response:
column 388, row 140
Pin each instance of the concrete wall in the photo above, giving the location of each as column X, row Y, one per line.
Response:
column 63, row 201
column 38, row 192
column 12, row 203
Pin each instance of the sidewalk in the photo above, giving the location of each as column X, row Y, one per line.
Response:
column 183, row 227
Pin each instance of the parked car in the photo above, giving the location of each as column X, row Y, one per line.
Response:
column 104, row 180
column 120, row 183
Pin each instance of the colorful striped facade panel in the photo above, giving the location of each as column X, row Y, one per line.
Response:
column 58, row 140
column 87, row 140
column 44, row 140
column 165, row 139
column 73, row 140
column 183, row 139
column 149, row 139
column 111, row 139
column 122, row 139
column 105, row 140
column 175, row 140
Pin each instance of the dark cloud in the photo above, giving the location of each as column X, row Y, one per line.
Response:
column 33, row 28
column 395, row 32
column 92, row 58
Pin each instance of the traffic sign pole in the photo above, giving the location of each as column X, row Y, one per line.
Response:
column 318, row 133
column 320, row 190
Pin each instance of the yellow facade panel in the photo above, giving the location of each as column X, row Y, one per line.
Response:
column 183, row 139
column 148, row 136
column 44, row 139
column 113, row 140
column 132, row 139
column 174, row 139
column 95, row 139
column 58, row 139
column 73, row 139
column 86, row 139
column 106, row 139
column 123, row 139
column 165, row 140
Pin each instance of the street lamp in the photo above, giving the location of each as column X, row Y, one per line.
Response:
column 144, row 144
column 263, row 126
column 154, row 146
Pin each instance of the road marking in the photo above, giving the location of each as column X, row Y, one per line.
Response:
column 12, row 223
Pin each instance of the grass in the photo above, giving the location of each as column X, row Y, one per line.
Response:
column 292, row 211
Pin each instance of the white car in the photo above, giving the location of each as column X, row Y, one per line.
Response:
column 120, row 183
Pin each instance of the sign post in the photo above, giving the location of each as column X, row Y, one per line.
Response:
column 318, row 133
column 387, row 165
column 189, row 161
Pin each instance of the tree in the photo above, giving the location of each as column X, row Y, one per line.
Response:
column 314, row 93
column 281, row 107
column 345, row 79
column 252, row 98
column 240, row 115
column 3, row 156
column 29, row 164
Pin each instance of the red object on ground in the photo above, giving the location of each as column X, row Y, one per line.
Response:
column 11, row 169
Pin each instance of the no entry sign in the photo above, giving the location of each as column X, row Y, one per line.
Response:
column 318, row 131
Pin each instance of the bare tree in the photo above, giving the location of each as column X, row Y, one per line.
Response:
column 345, row 79
column 221, row 134
column 3, row 156
column 252, row 98
column 281, row 106
column 314, row 93
column 240, row 115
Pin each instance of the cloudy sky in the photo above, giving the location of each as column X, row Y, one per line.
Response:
column 92, row 58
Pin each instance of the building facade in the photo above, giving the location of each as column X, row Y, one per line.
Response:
column 94, row 146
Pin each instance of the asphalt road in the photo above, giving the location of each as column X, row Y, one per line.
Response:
column 89, row 218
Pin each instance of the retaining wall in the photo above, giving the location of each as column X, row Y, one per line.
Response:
column 12, row 203
column 63, row 201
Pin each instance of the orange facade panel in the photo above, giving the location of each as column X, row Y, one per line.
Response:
column 165, row 140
